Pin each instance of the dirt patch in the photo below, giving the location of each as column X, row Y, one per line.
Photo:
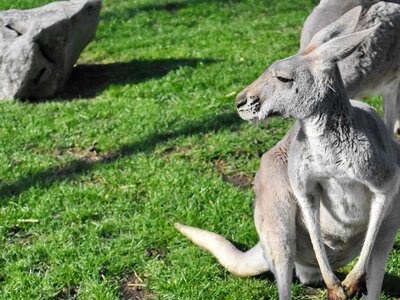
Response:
column 18, row 235
column 221, row 166
column 135, row 288
column 70, row 293
column 312, row 293
column 242, row 153
column 175, row 152
column 157, row 252
column 90, row 155
column 14, row 231
column 26, row 240
column 240, row 180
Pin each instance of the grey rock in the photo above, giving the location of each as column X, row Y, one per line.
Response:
column 39, row 47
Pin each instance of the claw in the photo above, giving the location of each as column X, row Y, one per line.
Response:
column 337, row 293
column 356, row 287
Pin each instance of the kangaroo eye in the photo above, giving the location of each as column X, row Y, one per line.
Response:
column 284, row 79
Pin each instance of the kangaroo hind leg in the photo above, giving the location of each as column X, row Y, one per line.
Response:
column 275, row 218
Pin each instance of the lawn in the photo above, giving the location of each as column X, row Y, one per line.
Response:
column 145, row 135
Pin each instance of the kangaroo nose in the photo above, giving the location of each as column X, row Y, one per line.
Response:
column 241, row 99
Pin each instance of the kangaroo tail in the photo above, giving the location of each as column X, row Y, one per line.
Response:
column 242, row 264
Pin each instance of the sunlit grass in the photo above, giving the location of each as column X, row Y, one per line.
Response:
column 91, row 187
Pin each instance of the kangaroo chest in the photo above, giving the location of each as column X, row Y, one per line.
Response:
column 345, row 207
column 344, row 216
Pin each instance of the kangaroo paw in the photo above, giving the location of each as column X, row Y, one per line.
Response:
column 356, row 287
column 337, row 293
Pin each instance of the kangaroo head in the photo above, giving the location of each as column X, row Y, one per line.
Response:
column 298, row 86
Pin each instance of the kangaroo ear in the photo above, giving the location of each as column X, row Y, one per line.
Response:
column 341, row 47
column 342, row 26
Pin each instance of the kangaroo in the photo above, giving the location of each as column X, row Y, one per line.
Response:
column 331, row 184
column 374, row 68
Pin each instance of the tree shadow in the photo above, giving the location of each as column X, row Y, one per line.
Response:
column 127, row 13
column 130, row 12
column 88, row 80
column 45, row 178
column 169, row 7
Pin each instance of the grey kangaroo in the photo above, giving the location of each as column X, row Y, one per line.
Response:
column 331, row 184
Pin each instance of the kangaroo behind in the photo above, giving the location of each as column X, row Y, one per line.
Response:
column 374, row 68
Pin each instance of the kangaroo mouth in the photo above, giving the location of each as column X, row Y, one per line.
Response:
column 249, row 112
column 248, row 115
column 254, row 114
column 271, row 114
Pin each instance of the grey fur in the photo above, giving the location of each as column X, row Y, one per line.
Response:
column 331, row 184
column 374, row 68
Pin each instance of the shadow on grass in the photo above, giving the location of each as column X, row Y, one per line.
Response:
column 86, row 81
column 126, row 13
column 131, row 12
column 45, row 178
column 169, row 7
column 390, row 286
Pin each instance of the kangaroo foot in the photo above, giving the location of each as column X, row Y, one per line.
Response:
column 336, row 293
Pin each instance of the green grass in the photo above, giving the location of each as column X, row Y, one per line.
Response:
column 104, row 177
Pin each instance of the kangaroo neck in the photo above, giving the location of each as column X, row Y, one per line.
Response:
column 331, row 124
